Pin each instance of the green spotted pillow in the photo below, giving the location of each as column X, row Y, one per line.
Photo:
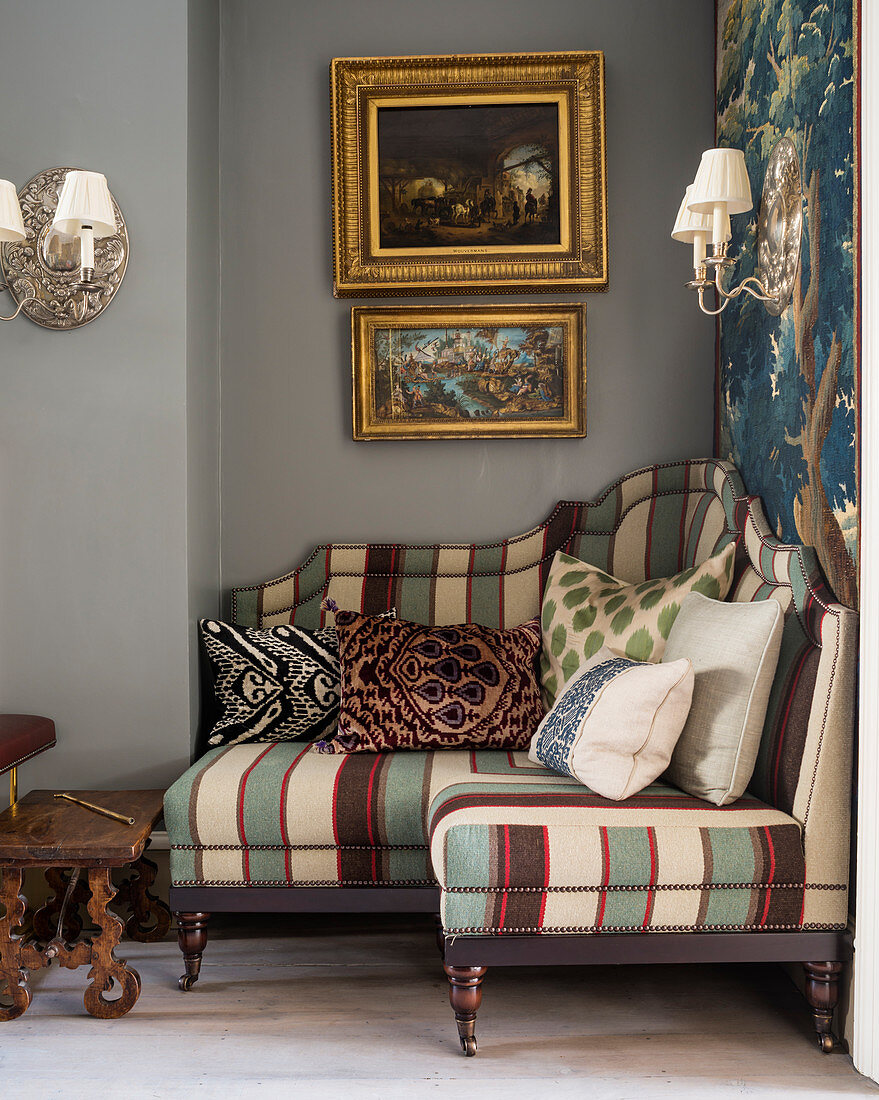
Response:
column 585, row 608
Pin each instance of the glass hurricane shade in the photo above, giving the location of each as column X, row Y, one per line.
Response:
column 11, row 224
column 85, row 200
column 692, row 228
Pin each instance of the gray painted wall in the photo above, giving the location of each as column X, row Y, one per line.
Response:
column 109, row 452
column 93, row 429
column 291, row 474
column 203, row 326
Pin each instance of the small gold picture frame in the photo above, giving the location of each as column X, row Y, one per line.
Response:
column 469, row 174
column 469, row 372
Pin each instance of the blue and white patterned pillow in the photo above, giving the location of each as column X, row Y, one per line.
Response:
column 615, row 725
column 558, row 732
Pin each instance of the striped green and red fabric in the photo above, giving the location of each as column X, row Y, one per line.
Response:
column 280, row 817
column 565, row 861
column 285, row 814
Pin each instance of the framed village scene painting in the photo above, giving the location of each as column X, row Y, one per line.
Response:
column 469, row 174
column 467, row 372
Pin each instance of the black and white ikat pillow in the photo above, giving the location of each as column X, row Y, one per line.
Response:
column 280, row 684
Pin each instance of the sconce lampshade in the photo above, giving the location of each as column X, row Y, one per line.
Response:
column 688, row 223
column 85, row 200
column 11, row 224
column 722, row 178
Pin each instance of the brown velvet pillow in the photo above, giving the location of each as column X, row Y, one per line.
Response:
column 409, row 686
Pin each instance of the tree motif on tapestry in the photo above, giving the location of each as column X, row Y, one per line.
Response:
column 788, row 385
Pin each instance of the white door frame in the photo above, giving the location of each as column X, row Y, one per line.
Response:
column 865, row 1049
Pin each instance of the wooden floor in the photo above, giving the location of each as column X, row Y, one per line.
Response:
column 294, row 1007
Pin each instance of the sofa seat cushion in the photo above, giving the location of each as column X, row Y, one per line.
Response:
column 285, row 814
column 526, row 859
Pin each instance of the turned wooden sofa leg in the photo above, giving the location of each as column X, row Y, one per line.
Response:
column 822, row 993
column 192, row 936
column 465, row 996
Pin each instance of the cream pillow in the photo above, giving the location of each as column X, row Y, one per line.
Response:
column 734, row 648
column 585, row 608
column 615, row 725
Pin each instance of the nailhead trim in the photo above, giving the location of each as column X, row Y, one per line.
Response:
column 299, row 847
column 659, row 886
column 29, row 756
column 640, row 931
column 297, row 882
column 460, row 576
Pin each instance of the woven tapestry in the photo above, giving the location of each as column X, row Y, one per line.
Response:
column 788, row 385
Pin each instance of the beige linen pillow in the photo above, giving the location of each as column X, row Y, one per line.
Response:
column 585, row 608
column 734, row 648
column 616, row 723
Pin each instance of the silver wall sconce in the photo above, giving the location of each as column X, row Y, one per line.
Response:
column 63, row 247
column 721, row 188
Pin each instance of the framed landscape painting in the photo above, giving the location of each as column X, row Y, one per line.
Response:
column 468, row 372
column 469, row 174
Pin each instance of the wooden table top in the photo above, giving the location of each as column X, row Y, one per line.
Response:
column 43, row 831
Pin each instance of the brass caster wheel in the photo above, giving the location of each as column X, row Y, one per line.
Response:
column 468, row 1045
column 187, row 981
column 825, row 1043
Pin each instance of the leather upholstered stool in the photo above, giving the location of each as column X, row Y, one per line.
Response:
column 21, row 737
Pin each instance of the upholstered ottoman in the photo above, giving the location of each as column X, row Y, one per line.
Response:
column 531, row 874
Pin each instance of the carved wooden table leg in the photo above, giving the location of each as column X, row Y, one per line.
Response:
column 15, row 995
column 46, row 919
column 822, row 993
column 150, row 918
column 192, row 935
column 465, row 996
column 107, row 971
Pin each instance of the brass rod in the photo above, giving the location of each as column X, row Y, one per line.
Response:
column 98, row 809
column 13, row 786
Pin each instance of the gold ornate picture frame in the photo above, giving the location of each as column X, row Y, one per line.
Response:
column 469, row 174
column 469, row 372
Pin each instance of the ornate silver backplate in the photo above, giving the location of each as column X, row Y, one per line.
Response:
column 781, row 225
column 47, row 263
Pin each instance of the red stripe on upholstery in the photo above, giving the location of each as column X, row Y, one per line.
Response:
column 770, row 876
column 240, row 813
column 365, row 576
column 369, row 810
column 782, row 729
column 391, row 572
column 544, row 895
column 503, row 912
column 470, row 569
column 500, row 595
column 323, row 614
column 285, row 838
column 605, row 875
column 648, row 909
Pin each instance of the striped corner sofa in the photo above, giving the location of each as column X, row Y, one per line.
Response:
column 523, row 865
